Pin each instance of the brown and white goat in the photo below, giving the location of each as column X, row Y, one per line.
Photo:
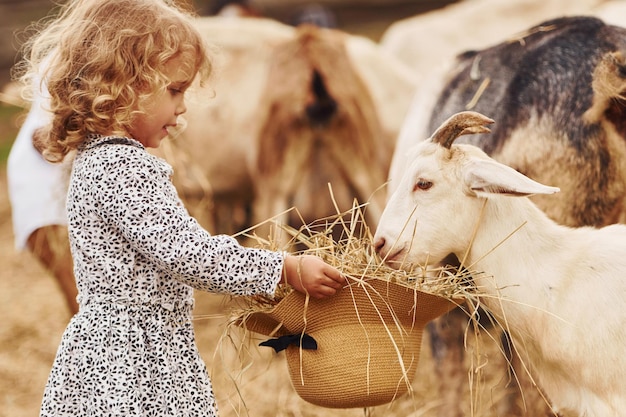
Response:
column 290, row 111
column 559, row 290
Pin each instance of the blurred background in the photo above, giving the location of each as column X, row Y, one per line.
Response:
column 367, row 17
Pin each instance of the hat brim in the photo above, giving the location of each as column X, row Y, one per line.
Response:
column 368, row 335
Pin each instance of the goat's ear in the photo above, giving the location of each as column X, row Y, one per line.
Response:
column 486, row 176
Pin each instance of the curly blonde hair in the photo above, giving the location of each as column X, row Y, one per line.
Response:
column 101, row 59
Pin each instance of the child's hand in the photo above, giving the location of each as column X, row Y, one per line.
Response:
column 311, row 275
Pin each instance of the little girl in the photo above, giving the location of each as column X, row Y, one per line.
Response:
column 117, row 72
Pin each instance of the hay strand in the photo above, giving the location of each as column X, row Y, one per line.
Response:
column 353, row 254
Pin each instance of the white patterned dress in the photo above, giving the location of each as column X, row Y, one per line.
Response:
column 130, row 350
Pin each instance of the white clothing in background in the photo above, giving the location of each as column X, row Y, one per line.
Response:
column 37, row 188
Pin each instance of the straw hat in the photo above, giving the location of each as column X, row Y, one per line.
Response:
column 368, row 341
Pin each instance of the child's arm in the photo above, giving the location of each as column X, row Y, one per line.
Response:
column 311, row 275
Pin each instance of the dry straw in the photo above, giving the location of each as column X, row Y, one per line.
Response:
column 368, row 335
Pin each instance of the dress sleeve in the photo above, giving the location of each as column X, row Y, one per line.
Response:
column 138, row 196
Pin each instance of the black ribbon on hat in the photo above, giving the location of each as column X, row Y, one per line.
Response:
column 282, row 342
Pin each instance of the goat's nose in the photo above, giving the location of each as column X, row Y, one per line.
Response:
column 379, row 244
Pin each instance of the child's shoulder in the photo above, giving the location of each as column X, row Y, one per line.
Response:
column 113, row 154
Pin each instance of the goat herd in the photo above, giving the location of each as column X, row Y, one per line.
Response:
column 294, row 109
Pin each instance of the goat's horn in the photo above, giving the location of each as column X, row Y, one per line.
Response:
column 463, row 123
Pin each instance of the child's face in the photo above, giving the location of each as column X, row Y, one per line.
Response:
column 163, row 108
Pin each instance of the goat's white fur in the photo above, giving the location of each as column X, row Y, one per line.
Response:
column 560, row 290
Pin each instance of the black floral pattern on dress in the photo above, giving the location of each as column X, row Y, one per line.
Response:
column 138, row 255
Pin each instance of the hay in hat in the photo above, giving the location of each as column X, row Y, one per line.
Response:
column 366, row 339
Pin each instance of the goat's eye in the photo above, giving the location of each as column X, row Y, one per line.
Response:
column 422, row 184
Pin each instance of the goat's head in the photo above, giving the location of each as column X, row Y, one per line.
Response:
column 438, row 201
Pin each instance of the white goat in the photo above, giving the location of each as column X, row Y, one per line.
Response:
column 561, row 291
